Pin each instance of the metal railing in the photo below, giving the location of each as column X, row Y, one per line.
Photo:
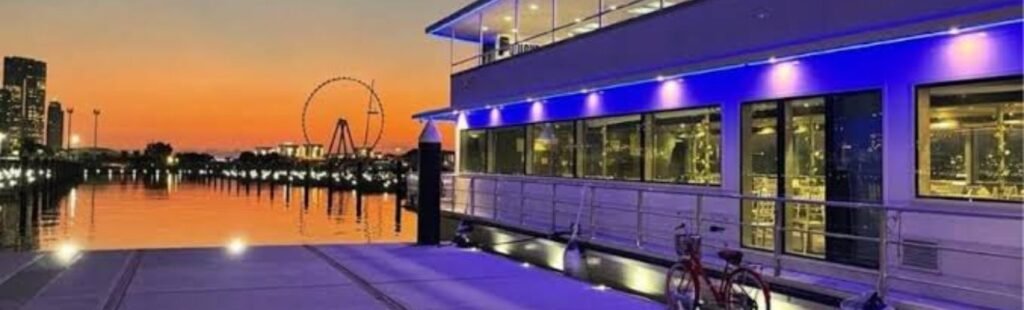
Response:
column 487, row 203
column 604, row 16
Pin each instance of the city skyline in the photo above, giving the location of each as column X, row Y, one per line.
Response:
column 199, row 75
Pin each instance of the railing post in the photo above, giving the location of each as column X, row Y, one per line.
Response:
column 522, row 202
column 590, row 209
column 472, row 196
column 639, row 218
column 779, row 225
column 452, row 192
column 698, row 213
column 554, row 207
column 554, row 19
column 883, row 255
column 494, row 199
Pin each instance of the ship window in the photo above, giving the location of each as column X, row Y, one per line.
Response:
column 551, row 149
column 685, row 146
column 613, row 148
column 971, row 140
column 508, row 150
column 473, row 151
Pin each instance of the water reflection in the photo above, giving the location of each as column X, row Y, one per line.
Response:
column 112, row 211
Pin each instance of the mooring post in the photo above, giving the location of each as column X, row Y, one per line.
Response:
column 429, row 186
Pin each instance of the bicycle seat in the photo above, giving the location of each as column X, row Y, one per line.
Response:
column 731, row 256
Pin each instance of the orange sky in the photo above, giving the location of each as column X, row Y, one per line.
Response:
column 226, row 75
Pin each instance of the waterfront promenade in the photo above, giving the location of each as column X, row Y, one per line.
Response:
column 380, row 276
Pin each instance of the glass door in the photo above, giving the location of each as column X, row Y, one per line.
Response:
column 826, row 148
column 805, row 175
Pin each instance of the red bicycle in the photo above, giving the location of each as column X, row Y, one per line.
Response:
column 742, row 287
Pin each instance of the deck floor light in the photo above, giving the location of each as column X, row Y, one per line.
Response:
column 66, row 253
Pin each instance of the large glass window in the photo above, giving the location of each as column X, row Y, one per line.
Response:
column 551, row 149
column 685, row 146
column 473, row 151
column 508, row 147
column 613, row 148
column 760, row 172
column 820, row 149
column 971, row 140
column 805, row 175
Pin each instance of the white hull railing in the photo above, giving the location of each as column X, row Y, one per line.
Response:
column 649, row 230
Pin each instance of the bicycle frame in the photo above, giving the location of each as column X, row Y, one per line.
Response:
column 694, row 265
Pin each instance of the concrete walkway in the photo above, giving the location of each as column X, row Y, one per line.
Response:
column 296, row 277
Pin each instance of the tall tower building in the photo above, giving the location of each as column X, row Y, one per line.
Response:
column 54, row 126
column 23, row 119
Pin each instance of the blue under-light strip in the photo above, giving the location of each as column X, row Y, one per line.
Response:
column 772, row 60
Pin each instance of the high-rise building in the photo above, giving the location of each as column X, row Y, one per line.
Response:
column 9, row 96
column 23, row 118
column 54, row 126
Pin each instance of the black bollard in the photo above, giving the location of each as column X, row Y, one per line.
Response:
column 305, row 195
column 428, row 230
column 287, row 193
column 359, row 206
column 398, row 214
column 330, row 200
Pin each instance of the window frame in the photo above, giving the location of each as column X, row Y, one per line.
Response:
column 917, row 134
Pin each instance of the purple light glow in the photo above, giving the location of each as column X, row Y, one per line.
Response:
column 969, row 53
column 670, row 94
column 785, row 78
column 495, row 117
column 537, row 111
column 593, row 104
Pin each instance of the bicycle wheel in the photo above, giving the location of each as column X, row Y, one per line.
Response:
column 682, row 291
column 746, row 291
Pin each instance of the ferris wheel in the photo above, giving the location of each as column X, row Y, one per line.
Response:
column 343, row 143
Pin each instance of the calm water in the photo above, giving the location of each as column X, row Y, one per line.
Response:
column 125, row 213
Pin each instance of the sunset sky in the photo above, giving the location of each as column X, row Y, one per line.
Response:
column 228, row 75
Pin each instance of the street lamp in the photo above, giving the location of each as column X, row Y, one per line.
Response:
column 71, row 112
column 96, row 128
column 74, row 140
